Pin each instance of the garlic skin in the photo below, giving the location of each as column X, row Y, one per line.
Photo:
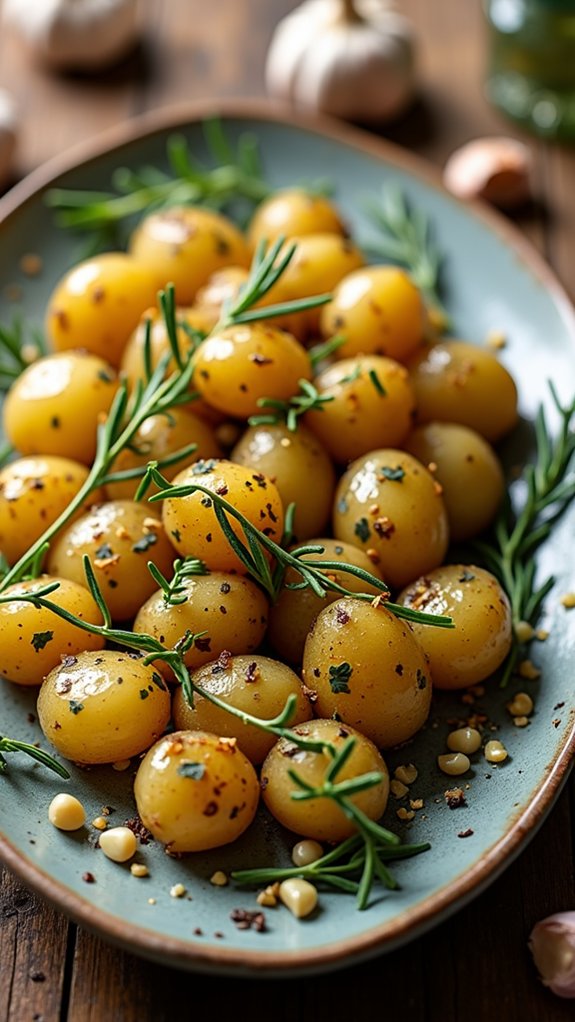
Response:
column 8, row 135
column 344, row 58
column 552, row 944
column 496, row 169
column 75, row 34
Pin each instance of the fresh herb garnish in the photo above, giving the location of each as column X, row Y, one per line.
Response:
column 339, row 676
column 509, row 553
column 309, row 399
column 405, row 237
column 41, row 639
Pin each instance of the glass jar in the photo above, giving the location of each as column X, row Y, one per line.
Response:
column 531, row 75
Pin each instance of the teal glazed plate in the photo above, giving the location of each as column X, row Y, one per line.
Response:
column 494, row 281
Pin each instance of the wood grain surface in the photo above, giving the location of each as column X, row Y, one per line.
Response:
column 475, row 967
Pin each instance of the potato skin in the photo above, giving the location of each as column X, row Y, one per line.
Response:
column 34, row 492
column 119, row 537
column 379, row 311
column 293, row 211
column 230, row 609
column 388, row 504
column 294, row 612
column 468, row 470
column 321, row 818
column 102, row 707
column 190, row 521
column 33, row 639
column 255, row 684
column 459, row 382
column 185, row 245
column 291, row 460
column 367, row 666
column 481, row 639
column 195, row 791
column 55, row 405
column 98, row 303
column 365, row 411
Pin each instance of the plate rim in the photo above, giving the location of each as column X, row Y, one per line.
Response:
column 522, row 827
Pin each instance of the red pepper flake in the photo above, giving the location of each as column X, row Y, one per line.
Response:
column 342, row 616
column 198, row 932
column 222, row 490
column 466, row 833
column 252, row 672
column 455, row 798
column 137, row 827
column 88, row 878
column 246, row 920
column 218, row 935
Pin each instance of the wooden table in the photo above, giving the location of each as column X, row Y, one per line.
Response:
column 476, row 966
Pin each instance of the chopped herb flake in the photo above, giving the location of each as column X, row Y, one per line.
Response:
column 75, row 706
column 41, row 639
column 339, row 676
column 145, row 543
column 377, row 383
column 395, row 475
column 193, row 770
column 362, row 529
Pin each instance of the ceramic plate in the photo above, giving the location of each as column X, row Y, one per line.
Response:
column 494, row 281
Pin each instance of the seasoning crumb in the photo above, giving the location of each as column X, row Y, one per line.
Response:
column 268, row 898
column 219, row 879
column 137, row 827
column 416, row 803
column 138, row 869
column 496, row 340
column 151, row 901
column 404, row 814
column 541, row 634
column 31, row 264
column 455, row 798
column 466, row 833
column 198, row 932
column 521, row 721
column 100, row 823
column 556, row 722
column 398, row 789
column 568, row 601
column 246, row 920
column 218, row 935
column 406, row 773
column 527, row 669
column 177, row 891
column 88, row 878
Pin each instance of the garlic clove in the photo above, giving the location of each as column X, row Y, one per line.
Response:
column 495, row 169
column 75, row 34
column 349, row 60
column 8, row 135
column 552, row 944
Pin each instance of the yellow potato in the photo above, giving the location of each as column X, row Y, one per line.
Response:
column 119, row 537
column 184, row 245
column 321, row 818
column 372, row 405
column 379, row 311
column 195, row 791
column 55, row 406
column 481, row 639
column 98, row 303
column 294, row 612
column 467, row 469
column 230, row 609
column 293, row 211
column 239, row 365
column 103, row 707
column 391, row 506
column 33, row 639
column 191, row 523
column 291, row 459
column 459, row 382
column 366, row 666
column 33, row 494
column 253, row 684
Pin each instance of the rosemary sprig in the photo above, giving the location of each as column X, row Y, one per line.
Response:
column 12, row 745
column 17, row 352
column 509, row 554
column 237, row 175
column 175, row 590
column 405, row 237
column 375, row 841
column 268, row 265
column 157, row 396
column 314, row 575
column 309, row 399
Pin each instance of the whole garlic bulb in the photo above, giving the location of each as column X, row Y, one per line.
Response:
column 8, row 135
column 75, row 34
column 552, row 944
column 343, row 59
